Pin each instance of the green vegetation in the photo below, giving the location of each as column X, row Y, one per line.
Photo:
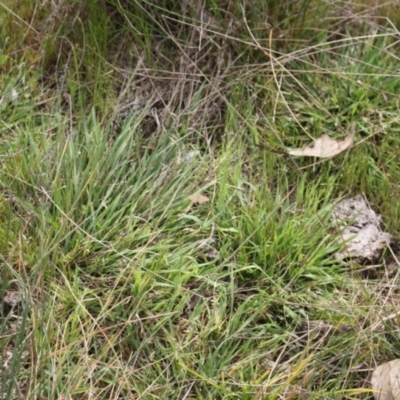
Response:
column 115, row 284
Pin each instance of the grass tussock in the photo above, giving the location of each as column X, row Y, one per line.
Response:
column 115, row 285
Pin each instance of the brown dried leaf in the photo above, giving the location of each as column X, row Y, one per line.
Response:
column 385, row 381
column 198, row 198
column 324, row 147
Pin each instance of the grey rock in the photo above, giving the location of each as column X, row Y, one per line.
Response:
column 360, row 231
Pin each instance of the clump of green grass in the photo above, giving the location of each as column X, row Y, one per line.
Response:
column 127, row 289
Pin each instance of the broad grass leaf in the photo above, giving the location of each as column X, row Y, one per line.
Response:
column 198, row 198
column 385, row 381
column 324, row 147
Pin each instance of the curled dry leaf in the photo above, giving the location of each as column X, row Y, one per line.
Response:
column 325, row 147
column 385, row 381
column 198, row 198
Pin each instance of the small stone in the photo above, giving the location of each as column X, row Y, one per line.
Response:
column 360, row 231
column 12, row 298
